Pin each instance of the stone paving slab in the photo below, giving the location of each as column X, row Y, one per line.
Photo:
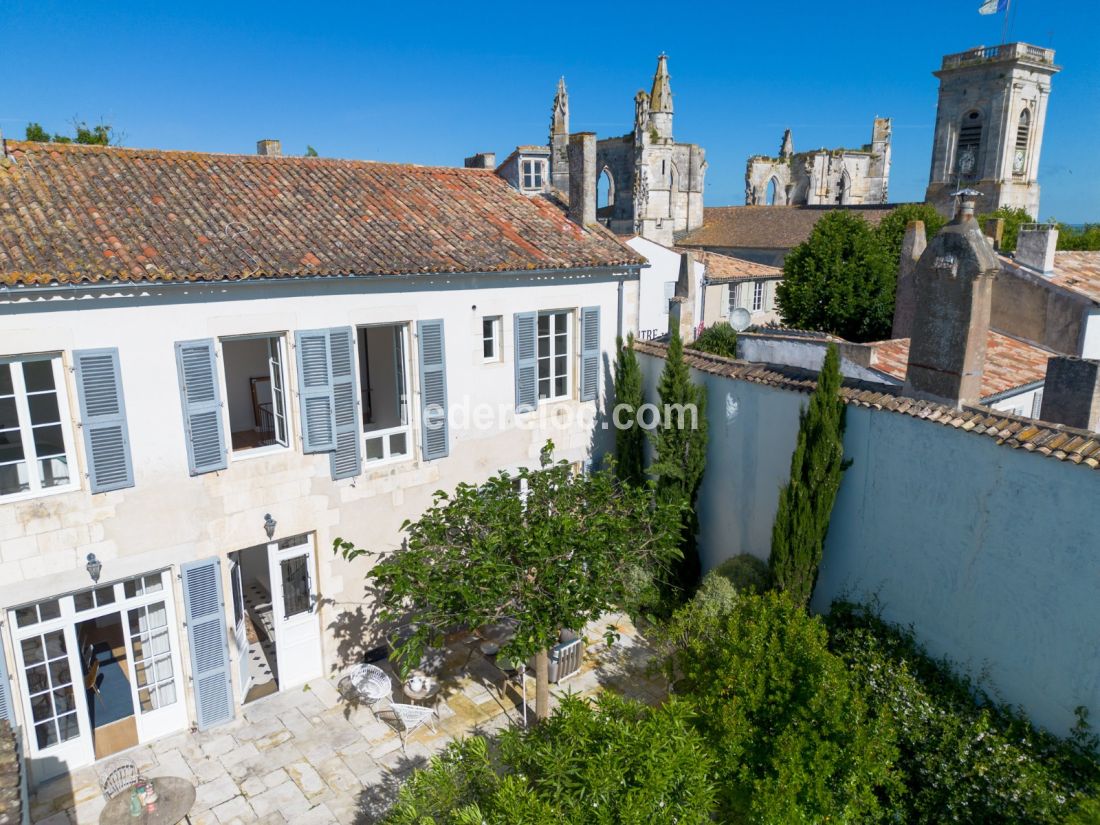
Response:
column 311, row 756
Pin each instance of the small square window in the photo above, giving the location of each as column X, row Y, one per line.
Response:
column 532, row 174
column 490, row 338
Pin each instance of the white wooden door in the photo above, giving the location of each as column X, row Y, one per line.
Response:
column 291, row 563
column 155, row 678
column 240, row 629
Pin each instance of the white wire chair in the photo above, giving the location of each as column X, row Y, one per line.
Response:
column 411, row 717
column 120, row 777
column 371, row 684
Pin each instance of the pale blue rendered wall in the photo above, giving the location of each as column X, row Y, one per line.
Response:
column 991, row 554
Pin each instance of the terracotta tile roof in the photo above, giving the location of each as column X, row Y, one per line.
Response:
column 1078, row 271
column 1009, row 363
column 723, row 269
column 767, row 227
column 1053, row 440
column 82, row 214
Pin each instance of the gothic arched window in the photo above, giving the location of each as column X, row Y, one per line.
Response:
column 1023, row 134
column 970, row 145
column 772, row 196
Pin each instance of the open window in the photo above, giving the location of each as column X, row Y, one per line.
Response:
column 554, row 351
column 384, row 381
column 255, row 391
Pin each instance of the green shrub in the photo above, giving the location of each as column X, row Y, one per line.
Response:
column 746, row 573
column 717, row 339
column 615, row 762
column 962, row 759
column 792, row 730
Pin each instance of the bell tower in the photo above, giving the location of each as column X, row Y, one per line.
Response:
column 989, row 126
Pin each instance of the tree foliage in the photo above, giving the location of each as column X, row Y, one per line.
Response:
column 841, row 280
column 717, row 339
column 311, row 152
column 891, row 229
column 629, row 394
column 794, row 735
column 615, row 763
column 806, row 501
column 1082, row 239
column 100, row 134
column 680, row 451
column 570, row 548
column 961, row 760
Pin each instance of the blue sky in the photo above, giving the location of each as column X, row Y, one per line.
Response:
column 431, row 83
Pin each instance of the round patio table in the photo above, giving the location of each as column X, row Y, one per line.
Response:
column 175, row 798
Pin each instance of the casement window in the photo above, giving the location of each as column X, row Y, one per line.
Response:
column 491, row 338
column 757, row 295
column 255, row 392
column 532, row 173
column 544, row 356
column 384, row 383
column 734, row 300
column 36, row 448
column 554, row 349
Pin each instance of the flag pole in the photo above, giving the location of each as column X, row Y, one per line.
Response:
column 1004, row 26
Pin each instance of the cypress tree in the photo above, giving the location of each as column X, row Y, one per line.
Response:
column 806, row 502
column 680, row 451
column 629, row 440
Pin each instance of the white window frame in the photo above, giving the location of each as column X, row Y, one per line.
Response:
column 532, row 168
column 758, row 288
column 734, row 298
column 494, row 336
column 30, row 458
column 553, row 355
column 408, row 428
column 279, row 362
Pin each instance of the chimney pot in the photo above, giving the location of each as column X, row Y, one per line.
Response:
column 269, row 148
column 481, row 160
column 582, row 178
column 1035, row 246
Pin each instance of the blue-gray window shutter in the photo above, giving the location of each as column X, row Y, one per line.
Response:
column 103, row 419
column 527, row 363
column 200, row 393
column 315, row 391
column 206, row 636
column 345, row 460
column 590, row 353
column 433, row 389
column 7, row 709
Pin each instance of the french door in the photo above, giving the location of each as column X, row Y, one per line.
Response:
column 240, row 629
column 291, row 565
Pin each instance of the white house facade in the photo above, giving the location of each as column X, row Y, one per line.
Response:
column 213, row 366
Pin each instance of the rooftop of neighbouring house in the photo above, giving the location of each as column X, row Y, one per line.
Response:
column 1076, row 271
column 722, row 269
column 768, row 227
column 1009, row 362
column 77, row 214
column 1053, row 440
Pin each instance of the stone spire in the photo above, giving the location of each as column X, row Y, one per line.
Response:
column 660, row 100
column 559, row 139
column 787, row 149
column 559, row 119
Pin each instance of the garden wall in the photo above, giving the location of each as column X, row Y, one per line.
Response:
column 991, row 553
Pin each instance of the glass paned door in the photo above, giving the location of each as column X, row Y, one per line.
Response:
column 278, row 397
column 240, row 628
column 54, row 703
column 155, row 678
column 294, row 610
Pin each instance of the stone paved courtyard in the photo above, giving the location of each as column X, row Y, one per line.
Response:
column 311, row 755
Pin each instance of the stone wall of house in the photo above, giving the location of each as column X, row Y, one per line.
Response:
column 988, row 552
column 12, row 802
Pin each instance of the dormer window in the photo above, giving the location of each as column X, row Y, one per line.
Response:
column 532, row 173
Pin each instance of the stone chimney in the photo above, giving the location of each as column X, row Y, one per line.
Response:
column 681, row 307
column 481, row 160
column 954, row 289
column 905, row 302
column 1035, row 245
column 995, row 231
column 1071, row 392
column 270, row 148
column 582, row 178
